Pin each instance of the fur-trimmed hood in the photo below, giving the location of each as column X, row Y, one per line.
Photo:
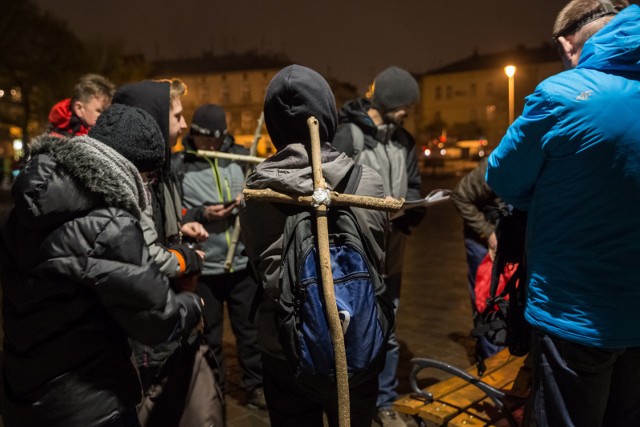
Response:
column 68, row 177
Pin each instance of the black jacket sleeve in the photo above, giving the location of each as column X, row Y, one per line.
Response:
column 132, row 289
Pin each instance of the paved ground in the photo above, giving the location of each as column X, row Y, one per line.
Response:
column 434, row 317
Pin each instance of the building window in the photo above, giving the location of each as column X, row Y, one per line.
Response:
column 225, row 95
column 229, row 118
column 204, row 93
column 472, row 90
column 490, row 89
column 449, row 92
column 246, row 92
column 473, row 115
column 247, row 121
column 438, row 93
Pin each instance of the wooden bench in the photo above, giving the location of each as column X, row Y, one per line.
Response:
column 464, row 400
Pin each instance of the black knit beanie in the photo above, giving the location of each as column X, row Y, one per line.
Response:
column 209, row 120
column 393, row 88
column 132, row 132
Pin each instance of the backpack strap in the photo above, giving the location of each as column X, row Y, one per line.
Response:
column 355, row 174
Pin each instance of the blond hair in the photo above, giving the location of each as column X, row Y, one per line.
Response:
column 177, row 88
column 91, row 85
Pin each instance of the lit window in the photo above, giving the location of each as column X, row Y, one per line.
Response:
column 247, row 121
column 204, row 93
column 246, row 92
column 225, row 95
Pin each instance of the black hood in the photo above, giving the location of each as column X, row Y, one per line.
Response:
column 154, row 98
column 355, row 111
column 294, row 94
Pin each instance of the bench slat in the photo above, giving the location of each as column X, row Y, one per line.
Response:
column 457, row 402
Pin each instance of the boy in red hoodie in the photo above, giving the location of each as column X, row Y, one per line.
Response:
column 76, row 115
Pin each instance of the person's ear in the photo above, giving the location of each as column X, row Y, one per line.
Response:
column 78, row 109
column 569, row 52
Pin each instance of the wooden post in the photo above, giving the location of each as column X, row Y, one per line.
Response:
column 230, row 156
column 330, row 304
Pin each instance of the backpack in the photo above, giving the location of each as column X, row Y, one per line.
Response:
column 366, row 317
column 502, row 321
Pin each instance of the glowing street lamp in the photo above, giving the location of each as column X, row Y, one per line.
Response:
column 510, row 71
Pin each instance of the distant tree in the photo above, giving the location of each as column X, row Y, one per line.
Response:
column 38, row 58
column 109, row 59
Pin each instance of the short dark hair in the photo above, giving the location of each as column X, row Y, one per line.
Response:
column 578, row 13
column 92, row 85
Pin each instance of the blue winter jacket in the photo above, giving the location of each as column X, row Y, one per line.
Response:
column 573, row 161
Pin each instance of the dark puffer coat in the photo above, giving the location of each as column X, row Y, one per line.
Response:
column 77, row 280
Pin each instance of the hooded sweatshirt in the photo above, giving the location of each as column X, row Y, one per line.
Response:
column 294, row 94
column 77, row 281
column 573, row 161
column 64, row 122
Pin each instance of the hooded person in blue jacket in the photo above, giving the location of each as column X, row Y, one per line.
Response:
column 572, row 160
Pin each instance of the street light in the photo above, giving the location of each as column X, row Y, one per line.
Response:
column 510, row 71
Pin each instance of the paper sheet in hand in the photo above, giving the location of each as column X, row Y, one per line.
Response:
column 436, row 196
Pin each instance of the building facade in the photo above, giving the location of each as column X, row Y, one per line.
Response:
column 469, row 99
column 236, row 82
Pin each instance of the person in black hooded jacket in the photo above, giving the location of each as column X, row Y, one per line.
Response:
column 294, row 94
column 77, row 281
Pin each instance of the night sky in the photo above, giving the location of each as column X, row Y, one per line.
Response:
column 350, row 40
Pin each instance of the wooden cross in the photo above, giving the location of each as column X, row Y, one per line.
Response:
column 335, row 328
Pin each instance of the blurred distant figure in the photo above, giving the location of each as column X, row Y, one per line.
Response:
column 572, row 161
column 76, row 115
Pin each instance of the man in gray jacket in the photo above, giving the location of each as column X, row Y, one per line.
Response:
column 295, row 94
column 211, row 189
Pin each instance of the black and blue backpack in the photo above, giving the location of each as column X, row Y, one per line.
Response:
column 366, row 317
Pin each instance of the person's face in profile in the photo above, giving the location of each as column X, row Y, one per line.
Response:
column 177, row 123
column 89, row 111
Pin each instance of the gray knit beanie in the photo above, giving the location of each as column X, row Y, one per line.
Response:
column 133, row 133
column 393, row 88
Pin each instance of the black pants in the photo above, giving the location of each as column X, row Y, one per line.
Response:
column 575, row 385
column 290, row 405
column 237, row 290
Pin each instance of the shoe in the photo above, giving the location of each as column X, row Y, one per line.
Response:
column 256, row 399
column 387, row 417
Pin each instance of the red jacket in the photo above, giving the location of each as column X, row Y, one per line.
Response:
column 64, row 122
